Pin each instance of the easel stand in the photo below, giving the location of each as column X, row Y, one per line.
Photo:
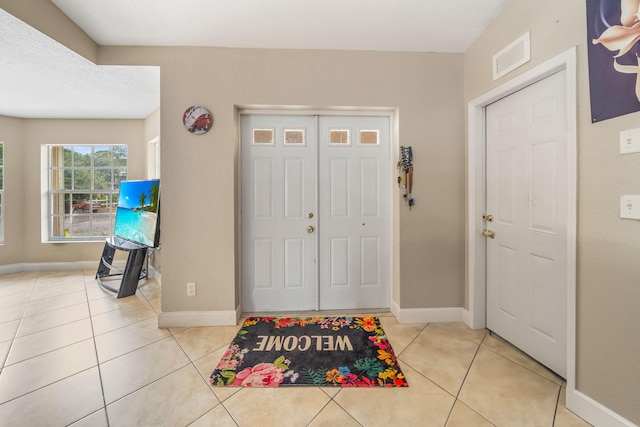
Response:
column 132, row 272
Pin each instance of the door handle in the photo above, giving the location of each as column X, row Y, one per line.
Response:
column 310, row 229
column 489, row 233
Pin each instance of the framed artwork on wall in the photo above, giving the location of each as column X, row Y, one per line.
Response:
column 612, row 39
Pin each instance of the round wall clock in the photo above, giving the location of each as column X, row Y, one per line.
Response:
column 197, row 119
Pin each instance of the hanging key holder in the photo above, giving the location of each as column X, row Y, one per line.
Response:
column 405, row 174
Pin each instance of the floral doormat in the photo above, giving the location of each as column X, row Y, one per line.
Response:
column 312, row 351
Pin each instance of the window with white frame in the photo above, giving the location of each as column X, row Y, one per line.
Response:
column 84, row 182
column 1, row 192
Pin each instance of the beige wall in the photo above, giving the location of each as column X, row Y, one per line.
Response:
column 23, row 139
column 199, row 173
column 12, row 135
column 608, row 271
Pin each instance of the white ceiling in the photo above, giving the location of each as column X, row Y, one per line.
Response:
column 387, row 25
column 40, row 78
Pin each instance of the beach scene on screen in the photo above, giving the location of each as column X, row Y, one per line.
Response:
column 137, row 214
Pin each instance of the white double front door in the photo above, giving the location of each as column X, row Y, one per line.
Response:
column 315, row 212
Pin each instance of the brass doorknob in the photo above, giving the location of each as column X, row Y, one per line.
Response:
column 310, row 229
column 489, row 233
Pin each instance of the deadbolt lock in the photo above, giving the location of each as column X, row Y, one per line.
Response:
column 310, row 229
column 309, row 215
column 488, row 218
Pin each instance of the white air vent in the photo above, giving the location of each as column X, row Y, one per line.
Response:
column 512, row 56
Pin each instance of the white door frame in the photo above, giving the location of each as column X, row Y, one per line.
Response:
column 476, row 158
column 394, row 147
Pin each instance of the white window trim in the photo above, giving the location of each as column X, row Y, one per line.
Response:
column 45, row 216
column 2, row 199
column 44, row 191
column 153, row 158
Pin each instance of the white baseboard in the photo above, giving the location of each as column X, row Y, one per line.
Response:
column 154, row 274
column 466, row 318
column 427, row 315
column 594, row 412
column 189, row 319
column 52, row 266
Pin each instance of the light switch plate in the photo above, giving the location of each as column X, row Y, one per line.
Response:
column 630, row 141
column 630, row 207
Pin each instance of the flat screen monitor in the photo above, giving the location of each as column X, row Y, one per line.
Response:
column 138, row 214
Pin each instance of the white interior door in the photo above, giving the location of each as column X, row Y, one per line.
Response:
column 526, row 195
column 315, row 212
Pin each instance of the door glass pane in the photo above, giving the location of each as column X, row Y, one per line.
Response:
column 263, row 136
column 294, row 137
column 369, row 137
column 339, row 136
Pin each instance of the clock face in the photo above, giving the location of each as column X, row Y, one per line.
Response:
column 197, row 119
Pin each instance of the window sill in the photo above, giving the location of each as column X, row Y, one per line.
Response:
column 97, row 240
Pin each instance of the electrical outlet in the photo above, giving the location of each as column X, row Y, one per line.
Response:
column 191, row 289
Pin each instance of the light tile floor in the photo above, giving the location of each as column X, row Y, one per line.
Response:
column 73, row 354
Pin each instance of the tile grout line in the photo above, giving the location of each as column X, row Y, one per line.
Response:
column 47, row 385
column 193, row 364
column 15, row 333
column 463, row 381
column 83, row 291
column 526, row 367
column 332, row 399
column 473, row 359
column 48, row 352
column 555, row 413
column 54, row 382
column 53, row 327
column 420, row 373
column 148, row 344
column 95, row 349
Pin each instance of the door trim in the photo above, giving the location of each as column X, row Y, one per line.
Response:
column 475, row 317
column 394, row 198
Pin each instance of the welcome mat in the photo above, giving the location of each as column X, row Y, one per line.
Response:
column 312, row 351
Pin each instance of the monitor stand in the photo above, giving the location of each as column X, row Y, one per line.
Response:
column 133, row 270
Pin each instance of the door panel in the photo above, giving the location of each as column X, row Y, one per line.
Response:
column 526, row 193
column 294, row 176
column 339, row 188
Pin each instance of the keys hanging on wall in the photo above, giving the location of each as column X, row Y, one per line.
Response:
column 405, row 174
